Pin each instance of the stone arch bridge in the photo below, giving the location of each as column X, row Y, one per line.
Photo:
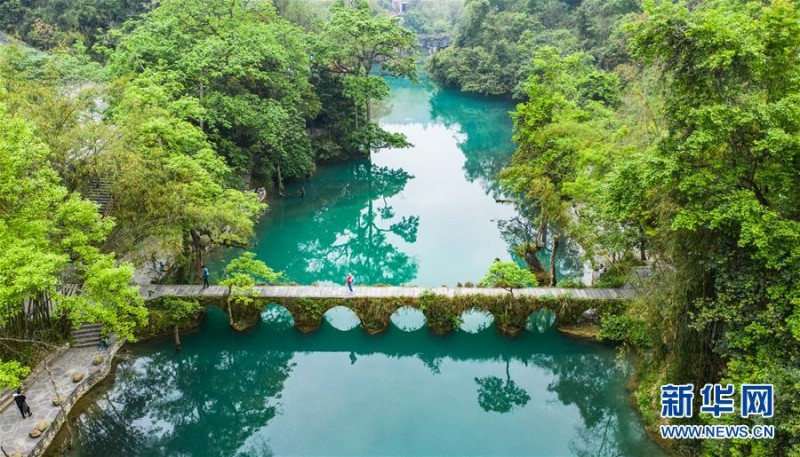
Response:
column 441, row 306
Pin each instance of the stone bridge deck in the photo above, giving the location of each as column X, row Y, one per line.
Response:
column 155, row 291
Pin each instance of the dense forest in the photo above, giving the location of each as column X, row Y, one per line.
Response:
column 122, row 139
column 657, row 133
column 666, row 134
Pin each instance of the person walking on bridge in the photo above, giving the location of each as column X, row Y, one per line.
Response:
column 19, row 399
column 350, row 282
column 205, row 274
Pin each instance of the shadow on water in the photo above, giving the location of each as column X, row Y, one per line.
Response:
column 232, row 394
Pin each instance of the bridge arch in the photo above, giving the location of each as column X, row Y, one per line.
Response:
column 408, row 319
column 541, row 320
column 277, row 317
column 342, row 318
column 475, row 320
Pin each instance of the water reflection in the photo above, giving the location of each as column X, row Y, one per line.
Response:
column 267, row 392
column 344, row 224
column 497, row 395
column 408, row 319
column 476, row 320
column 342, row 318
column 485, row 129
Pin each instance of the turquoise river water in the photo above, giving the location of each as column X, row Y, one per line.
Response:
column 427, row 216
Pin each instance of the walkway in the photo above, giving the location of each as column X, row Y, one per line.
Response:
column 14, row 430
column 155, row 291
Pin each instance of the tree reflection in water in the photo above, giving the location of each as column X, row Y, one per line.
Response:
column 482, row 123
column 498, row 396
column 222, row 395
column 344, row 224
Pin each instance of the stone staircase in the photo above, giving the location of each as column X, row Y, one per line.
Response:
column 86, row 336
column 99, row 192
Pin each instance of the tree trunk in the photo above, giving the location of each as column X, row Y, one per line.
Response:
column 541, row 235
column 197, row 247
column 642, row 244
column 553, row 261
column 177, row 338
column 280, row 182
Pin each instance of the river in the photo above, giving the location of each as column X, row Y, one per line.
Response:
column 427, row 216
column 424, row 215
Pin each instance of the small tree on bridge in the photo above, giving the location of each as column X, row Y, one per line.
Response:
column 508, row 276
column 240, row 277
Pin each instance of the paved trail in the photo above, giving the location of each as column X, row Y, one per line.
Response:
column 14, row 429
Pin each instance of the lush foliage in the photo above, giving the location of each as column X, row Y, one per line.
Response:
column 688, row 160
column 51, row 242
column 240, row 277
column 50, row 23
column 509, row 276
column 496, row 39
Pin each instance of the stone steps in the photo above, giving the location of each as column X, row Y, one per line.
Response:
column 86, row 336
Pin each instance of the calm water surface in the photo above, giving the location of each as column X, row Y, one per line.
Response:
column 424, row 215
column 274, row 391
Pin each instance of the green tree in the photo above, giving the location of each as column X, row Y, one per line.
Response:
column 168, row 185
column 240, row 277
column 245, row 67
column 355, row 43
column 508, row 276
column 728, row 169
column 562, row 134
column 51, row 256
column 178, row 313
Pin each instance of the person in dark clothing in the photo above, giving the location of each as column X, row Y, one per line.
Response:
column 19, row 399
column 205, row 277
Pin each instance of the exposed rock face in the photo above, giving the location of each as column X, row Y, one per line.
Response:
column 77, row 377
column 590, row 316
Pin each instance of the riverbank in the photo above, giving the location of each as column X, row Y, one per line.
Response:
column 50, row 395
